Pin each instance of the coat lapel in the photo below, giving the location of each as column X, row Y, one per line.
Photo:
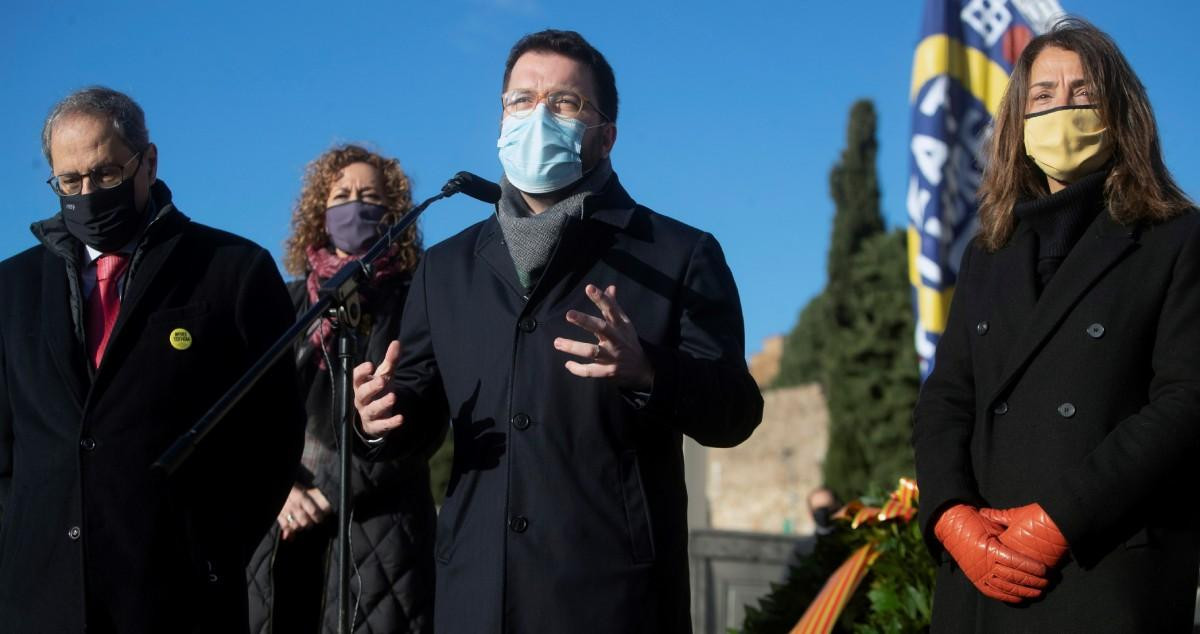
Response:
column 58, row 329
column 494, row 252
column 1017, row 293
column 146, row 274
column 1101, row 247
column 583, row 242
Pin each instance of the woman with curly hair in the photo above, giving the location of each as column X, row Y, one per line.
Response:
column 348, row 194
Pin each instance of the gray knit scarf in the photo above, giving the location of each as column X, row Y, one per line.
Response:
column 531, row 238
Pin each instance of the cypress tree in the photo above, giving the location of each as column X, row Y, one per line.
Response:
column 804, row 347
column 872, row 370
column 854, row 337
column 854, row 187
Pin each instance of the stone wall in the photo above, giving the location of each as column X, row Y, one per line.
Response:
column 764, row 366
column 761, row 485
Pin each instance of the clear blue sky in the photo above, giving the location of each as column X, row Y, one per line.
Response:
column 731, row 113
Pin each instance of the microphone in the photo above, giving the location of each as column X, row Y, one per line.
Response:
column 474, row 186
column 339, row 291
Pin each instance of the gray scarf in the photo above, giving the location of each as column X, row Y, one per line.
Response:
column 531, row 238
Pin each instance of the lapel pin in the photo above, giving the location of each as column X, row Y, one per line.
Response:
column 181, row 339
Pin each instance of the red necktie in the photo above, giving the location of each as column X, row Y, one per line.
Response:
column 104, row 304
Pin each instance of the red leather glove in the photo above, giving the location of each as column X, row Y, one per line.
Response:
column 1031, row 532
column 995, row 569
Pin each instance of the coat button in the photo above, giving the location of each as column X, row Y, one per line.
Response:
column 521, row 421
column 518, row 524
column 527, row 324
column 981, row 328
column 88, row 444
column 1001, row 408
column 73, row 533
column 1066, row 410
column 1095, row 331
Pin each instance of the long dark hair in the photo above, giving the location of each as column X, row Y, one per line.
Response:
column 1138, row 187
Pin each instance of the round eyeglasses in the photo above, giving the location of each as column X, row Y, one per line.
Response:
column 566, row 104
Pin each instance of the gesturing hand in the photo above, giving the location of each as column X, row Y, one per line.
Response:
column 1031, row 532
column 372, row 398
column 617, row 353
column 303, row 509
column 996, row 570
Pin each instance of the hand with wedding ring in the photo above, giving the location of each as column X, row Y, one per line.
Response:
column 303, row 509
column 617, row 353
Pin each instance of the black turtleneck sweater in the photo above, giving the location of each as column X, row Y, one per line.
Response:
column 1059, row 220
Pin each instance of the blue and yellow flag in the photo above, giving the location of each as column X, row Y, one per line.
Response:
column 960, row 70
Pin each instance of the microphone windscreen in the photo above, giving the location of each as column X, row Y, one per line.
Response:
column 476, row 187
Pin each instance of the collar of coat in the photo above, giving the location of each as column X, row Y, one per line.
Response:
column 1102, row 246
column 612, row 206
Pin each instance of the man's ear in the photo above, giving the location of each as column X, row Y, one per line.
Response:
column 151, row 158
column 610, row 139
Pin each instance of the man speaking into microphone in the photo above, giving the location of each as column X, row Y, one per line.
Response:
column 573, row 338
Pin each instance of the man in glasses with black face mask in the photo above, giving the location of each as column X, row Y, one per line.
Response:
column 117, row 333
column 574, row 338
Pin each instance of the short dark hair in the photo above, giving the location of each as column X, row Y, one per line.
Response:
column 570, row 44
column 121, row 112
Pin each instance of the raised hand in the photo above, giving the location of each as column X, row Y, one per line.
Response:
column 1031, row 532
column 372, row 398
column 616, row 354
column 996, row 570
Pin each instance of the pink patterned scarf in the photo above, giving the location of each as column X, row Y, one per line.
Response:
column 323, row 264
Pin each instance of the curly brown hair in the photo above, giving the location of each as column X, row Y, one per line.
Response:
column 308, row 219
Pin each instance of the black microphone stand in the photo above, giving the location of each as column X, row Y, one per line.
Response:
column 338, row 300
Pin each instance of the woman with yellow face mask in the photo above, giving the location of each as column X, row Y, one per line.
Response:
column 1055, row 435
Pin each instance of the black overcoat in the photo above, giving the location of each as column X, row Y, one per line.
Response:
column 566, row 509
column 88, row 532
column 1086, row 400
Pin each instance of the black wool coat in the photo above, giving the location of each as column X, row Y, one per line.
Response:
column 1085, row 400
column 88, row 532
column 566, row 509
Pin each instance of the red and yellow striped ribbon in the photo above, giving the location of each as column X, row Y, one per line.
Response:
column 825, row 609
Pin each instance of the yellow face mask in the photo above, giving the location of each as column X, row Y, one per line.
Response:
column 1067, row 143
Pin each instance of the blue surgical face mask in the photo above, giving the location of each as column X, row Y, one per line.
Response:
column 541, row 152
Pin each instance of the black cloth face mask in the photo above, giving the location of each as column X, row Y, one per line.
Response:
column 823, row 517
column 106, row 219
